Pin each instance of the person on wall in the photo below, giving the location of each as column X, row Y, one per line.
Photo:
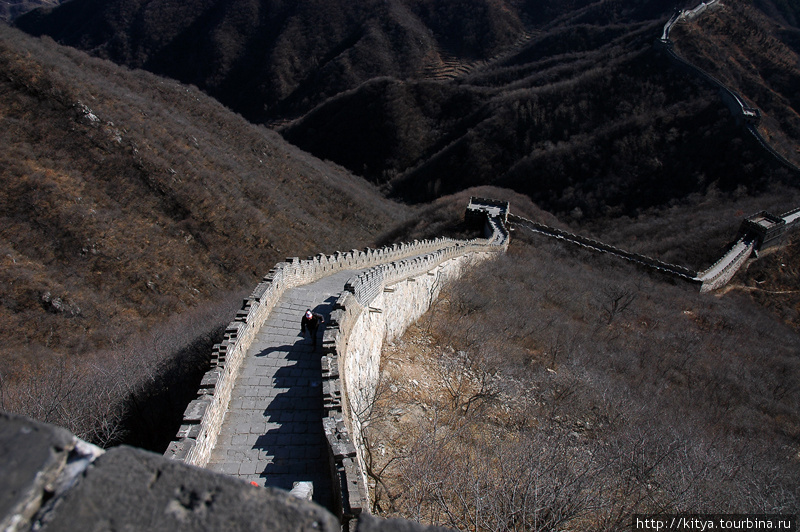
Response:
column 310, row 322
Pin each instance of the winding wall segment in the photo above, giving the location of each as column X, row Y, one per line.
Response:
column 204, row 415
column 735, row 103
column 655, row 264
column 353, row 338
column 716, row 276
column 378, row 305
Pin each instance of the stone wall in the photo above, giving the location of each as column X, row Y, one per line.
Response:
column 655, row 264
column 204, row 415
column 377, row 306
column 398, row 285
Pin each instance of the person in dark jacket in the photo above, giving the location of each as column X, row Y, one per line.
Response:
column 310, row 322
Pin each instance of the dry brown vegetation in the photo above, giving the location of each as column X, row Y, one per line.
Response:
column 128, row 199
column 774, row 281
column 554, row 388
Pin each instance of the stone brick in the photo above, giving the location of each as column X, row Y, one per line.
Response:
column 196, row 410
column 33, row 456
column 130, row 489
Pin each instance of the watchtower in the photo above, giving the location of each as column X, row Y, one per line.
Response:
column 766, row 228
column 479, row 209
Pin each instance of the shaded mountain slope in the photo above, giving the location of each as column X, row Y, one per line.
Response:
column 586, row 119
column 758, row 56
column 267, row 58
column 567, row 102
column 271, row 60
column 127, row 198
column 11, row 9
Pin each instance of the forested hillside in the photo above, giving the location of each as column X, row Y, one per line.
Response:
column 566, row 102
column 756, row 55
column 132, row 204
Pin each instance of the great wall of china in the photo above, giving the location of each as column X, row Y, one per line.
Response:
column 389, row 289
column 735, row 103
column 392, row 288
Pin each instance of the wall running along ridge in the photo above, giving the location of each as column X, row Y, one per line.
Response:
column 377, row 306
column 399, row 285
column 717, row 275
column 735, row 103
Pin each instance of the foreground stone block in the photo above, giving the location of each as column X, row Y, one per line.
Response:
column 52, row 481
column 32, row 458
column 131, row 489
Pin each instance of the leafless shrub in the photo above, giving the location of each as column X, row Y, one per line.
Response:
column 608, row 359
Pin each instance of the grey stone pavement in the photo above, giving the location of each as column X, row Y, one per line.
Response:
column 272, row 433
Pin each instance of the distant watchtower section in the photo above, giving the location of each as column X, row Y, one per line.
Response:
column 481, row 209
column 764, row 227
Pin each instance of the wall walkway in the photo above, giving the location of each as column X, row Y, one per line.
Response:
column 270, row 411
column 272, row 433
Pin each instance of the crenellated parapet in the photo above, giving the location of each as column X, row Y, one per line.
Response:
column 203, row 417
column 589, row 243
column 429, row 260
column 377, row 306
column 758, row 231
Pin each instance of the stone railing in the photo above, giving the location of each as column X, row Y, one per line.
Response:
column 715, row 276
column 726, row 267
column 204, row 416
column 664, row 267
column 377, row 306
column 432, row 261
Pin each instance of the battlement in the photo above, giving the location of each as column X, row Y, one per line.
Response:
column 481, row 209
column 396, row 285
column 764, row 227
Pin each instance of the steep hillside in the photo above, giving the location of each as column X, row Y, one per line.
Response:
column 555, row 389
column 11, row 9
column 128, row 198
column 267, row 59
column 566, row 102
column 585, row 117
column 603, row 131
column 755, row 50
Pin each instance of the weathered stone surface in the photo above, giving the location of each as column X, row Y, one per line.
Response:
column 196, row 410
column 131, row 489
column 178, row 450
column 33, row 455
